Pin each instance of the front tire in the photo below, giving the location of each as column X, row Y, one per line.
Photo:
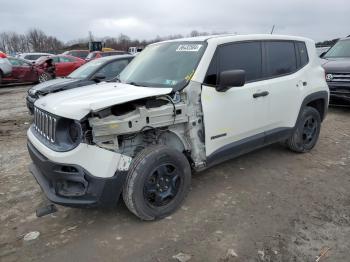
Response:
column 158, row 181
column 44, row 77
column 307, row 131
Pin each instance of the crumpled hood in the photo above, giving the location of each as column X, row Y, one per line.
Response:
column 77, row 103
column 53, row 85
column 337, row 65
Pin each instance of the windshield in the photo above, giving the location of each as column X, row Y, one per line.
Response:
column 91, row 55
column 170, row 64
column 340, row 49
column 86, row 70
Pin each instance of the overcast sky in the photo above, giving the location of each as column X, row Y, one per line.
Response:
column 72, row 19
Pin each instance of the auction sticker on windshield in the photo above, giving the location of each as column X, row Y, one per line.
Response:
column 189, row 48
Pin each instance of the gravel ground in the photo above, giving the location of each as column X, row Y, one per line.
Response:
column 269, row 205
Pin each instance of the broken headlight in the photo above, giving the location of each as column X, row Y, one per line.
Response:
column 68, row 133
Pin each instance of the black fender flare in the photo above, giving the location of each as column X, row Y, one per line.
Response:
column 312, row 97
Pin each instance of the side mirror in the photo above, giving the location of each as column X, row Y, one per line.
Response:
column 230, row 78
column 98, row 77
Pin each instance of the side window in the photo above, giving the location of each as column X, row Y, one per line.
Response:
column 56, row 59
column 303, row 56
column 281, row 58
column 113, row 69
column 14, row 62
column 24, row 64
column 64, row 59
column 246, row 56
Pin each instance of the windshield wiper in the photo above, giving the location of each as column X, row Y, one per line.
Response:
column 115, row 79
column 133, row 84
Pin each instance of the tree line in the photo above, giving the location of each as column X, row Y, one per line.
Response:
column 35, row 40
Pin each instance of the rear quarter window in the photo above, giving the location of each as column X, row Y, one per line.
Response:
column 303, row 55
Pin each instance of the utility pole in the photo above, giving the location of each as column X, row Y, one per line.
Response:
column 91, row 37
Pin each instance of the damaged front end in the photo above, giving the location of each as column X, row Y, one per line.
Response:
column 173, row 120
column 85, row 162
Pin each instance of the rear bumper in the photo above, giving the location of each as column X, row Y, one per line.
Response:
column 72, row 185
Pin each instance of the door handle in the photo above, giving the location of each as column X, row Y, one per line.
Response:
column 256, row 95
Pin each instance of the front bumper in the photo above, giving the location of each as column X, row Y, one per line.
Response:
column 339, row 93
column 82, row 177
column 72, row 185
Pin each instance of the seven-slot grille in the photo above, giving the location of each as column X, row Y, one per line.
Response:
column 45, row 125
column 340, row 77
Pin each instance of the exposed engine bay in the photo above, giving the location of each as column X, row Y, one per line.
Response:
column 175, row 121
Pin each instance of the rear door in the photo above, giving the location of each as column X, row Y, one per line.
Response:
column 67, row 66
column 17, row 72
column 285, row 69
column 234, row 117
column 22, row 71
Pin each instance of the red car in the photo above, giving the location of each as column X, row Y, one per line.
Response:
column 97, row 54
column 24, row 71
column 65, row 64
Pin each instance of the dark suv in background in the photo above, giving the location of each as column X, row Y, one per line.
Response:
column 337, row 68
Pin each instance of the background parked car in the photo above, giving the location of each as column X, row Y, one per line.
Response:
column 337, row 68
column 32, row 56
column 77, row 53
column 99, row 54
column 65, row 64
column 24, row 71
column 105, row 68
column 5, row 66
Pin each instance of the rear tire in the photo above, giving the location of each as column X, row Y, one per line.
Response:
column 307, row 131
column 158, row 181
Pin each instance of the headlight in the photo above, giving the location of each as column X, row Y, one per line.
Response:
column 75, row 132
column 32, row 92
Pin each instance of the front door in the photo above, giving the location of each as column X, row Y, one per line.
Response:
column 22, row 71
column 237, row 116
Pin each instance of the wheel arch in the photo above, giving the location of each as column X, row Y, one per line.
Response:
column 319, row 101
column 174, row 140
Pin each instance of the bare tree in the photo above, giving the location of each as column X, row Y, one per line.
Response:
column 39, row 41
column 36, row 39
column 4, row 41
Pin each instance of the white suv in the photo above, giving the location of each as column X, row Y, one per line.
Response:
column 180, row 106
